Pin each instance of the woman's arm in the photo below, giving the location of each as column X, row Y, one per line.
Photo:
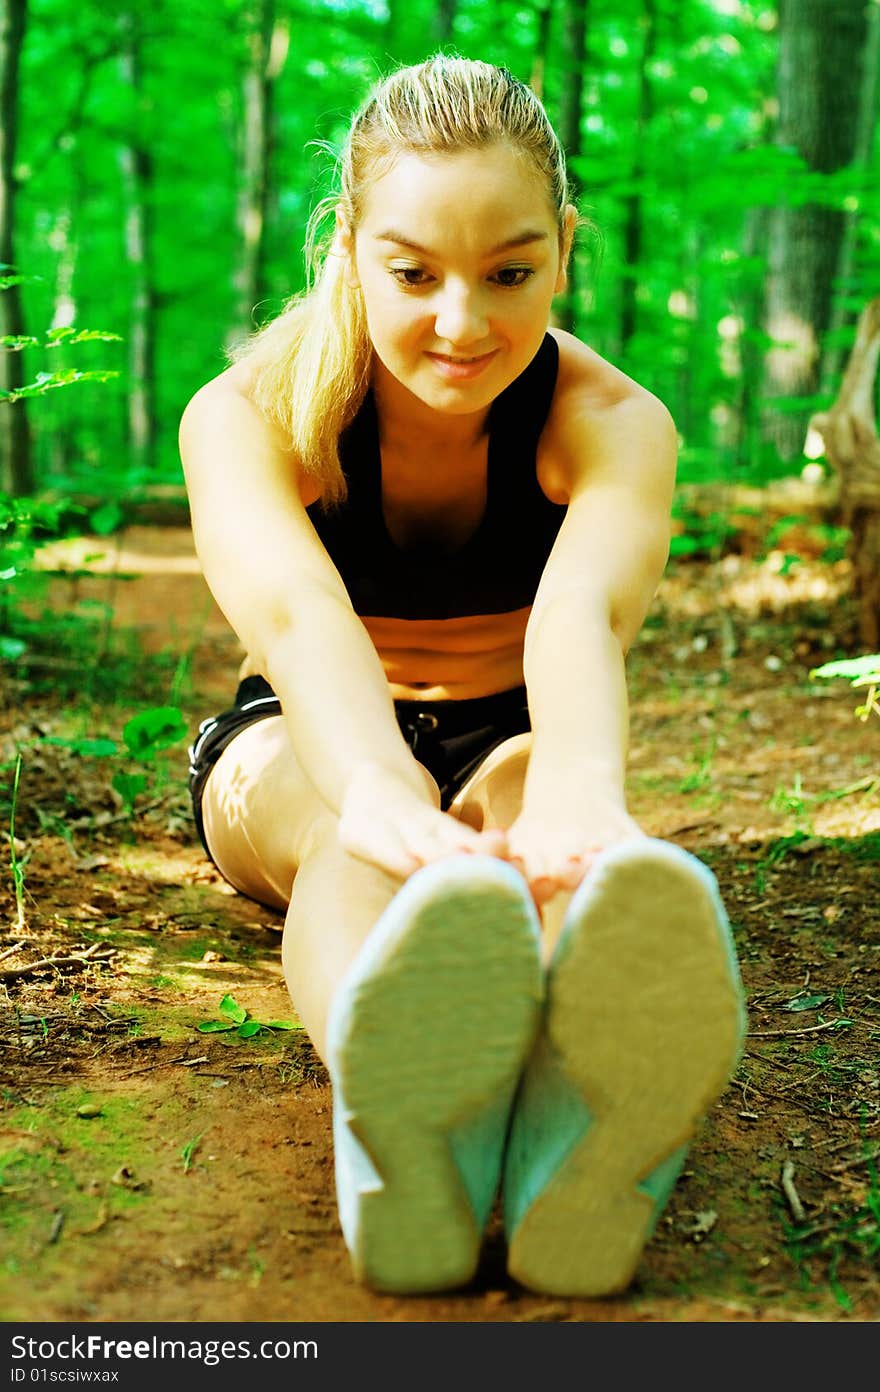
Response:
column 279, row 590
column 592, row 599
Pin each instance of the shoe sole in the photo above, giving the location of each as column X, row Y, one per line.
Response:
column 643, row 1029
column 426, row 1041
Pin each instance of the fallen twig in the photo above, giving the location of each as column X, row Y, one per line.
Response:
column 98, row 952
column 783, row 1034
column 774, row 1063
column 57, row 1225
column 791, row 1194
column 858, row 1160
column 10, row 951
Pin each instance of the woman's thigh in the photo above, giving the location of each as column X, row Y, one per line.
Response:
column 260, row 812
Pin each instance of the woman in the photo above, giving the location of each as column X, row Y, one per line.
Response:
column 436, row 525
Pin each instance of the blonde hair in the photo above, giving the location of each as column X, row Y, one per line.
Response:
column 310, row 366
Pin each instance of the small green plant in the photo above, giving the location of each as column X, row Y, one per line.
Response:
column 17, row 863
column 793, row 800
column 859, row 671
column 145, row 736
column 55, row 338
column 189, row 1151
column 240, row 1020
column 702, row 775
column 699, row 535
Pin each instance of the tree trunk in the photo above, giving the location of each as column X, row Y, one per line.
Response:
column 632, row 235
column 136, row 167
column 268, row 43
column 539, row 61
column 834, row 356
column 820, row 61
column 748, row 307
column 16, row 466
column 444, row 20
column 849, row 429
column 63, row 242
column 571, row 100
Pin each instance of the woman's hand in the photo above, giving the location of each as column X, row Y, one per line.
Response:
column 555, row 854
column 386, row 822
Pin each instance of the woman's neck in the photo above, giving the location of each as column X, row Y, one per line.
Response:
column 407, row 425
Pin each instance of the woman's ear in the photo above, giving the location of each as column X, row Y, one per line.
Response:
column 569, row 227
column 343, row 245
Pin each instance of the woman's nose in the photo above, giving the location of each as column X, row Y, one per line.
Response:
column 460, row 316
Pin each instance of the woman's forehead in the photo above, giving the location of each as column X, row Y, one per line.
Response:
column 494, row 182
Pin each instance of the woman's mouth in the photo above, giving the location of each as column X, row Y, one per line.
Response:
column 461, row 368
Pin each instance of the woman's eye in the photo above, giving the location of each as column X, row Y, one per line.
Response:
column 522, row 272
column 407, row 275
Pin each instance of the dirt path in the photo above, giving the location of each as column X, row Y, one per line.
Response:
column 152, row 1171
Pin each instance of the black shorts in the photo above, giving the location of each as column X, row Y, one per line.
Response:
column 451, row 738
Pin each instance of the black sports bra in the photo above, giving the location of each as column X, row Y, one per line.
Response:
column 487, row 584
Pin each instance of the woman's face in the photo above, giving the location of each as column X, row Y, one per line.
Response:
column 457, row 257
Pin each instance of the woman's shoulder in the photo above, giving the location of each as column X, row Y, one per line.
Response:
column 593, row 401
column 235, row 380
column 588, row 382
column 224, row 409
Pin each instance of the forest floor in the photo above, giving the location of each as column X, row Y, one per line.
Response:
column 152, row 1171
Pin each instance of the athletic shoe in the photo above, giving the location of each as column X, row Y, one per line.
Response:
column 644, row 1025
column 427, row 1037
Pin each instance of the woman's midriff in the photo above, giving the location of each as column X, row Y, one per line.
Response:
column 445, row 659
column 451, row 659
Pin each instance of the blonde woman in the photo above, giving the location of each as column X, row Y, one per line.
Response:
column 436, row 524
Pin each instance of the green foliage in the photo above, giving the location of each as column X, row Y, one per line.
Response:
column 700, row 535
column 55, row 338
column 702, row 160
column 145, row 736
column 17, row 863
column 188, row 1151
column 153, row 730
column 859, row 671
column 238, row 1019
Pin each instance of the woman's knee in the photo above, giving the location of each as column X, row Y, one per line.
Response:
column 492, row 796
column 260, row 812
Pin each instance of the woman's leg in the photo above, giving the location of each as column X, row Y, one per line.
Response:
column 492, row 797
column 272, row 837
column 425, row 1037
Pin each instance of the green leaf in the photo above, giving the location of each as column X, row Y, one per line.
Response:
column 215, row 1026
column 88, row 748
column 45, row 381
column 862, row 671
column 129, row 786
column 11, row 648
column 145, row 734
column 106, row 518
column 6, row 281
column 249, row 1029
column 806, row 1002
column 230, row 1006
column 283, row 1025
column 82, row 336
column 19, row 341
column 684, row 545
